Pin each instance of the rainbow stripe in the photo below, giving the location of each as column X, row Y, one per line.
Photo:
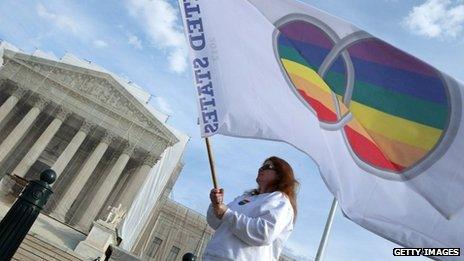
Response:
column 302, row 56
column 399, row 103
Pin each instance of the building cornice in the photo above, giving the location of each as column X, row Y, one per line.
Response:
column 97, row 91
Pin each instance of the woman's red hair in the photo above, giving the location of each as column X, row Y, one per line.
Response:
column 286, row 182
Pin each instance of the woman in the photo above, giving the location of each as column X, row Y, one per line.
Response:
column 255, row 225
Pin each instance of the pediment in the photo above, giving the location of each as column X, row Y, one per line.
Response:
column 98, row 88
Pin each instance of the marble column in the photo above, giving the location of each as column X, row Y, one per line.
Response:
column 105, row 189
column 10, row 103
column 81, row 178
column 136, row 182
column 70, row 150
column 39, row 146
column 21, row 129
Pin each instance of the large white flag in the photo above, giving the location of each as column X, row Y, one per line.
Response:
column 385, row 128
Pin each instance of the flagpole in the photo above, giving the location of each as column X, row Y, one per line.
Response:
column 328, row 227
column 211, row 163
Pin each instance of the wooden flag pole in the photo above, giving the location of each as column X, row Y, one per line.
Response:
column 328, row 227
column 211, row 163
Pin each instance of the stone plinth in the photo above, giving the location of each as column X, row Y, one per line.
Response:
column 101, row 236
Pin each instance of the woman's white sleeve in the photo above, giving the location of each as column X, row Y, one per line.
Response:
column 262, row 230
column 212, row 220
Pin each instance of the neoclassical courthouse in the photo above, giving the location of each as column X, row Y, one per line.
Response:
column 113, row 154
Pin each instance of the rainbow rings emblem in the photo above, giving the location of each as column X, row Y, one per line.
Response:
column 398, row 115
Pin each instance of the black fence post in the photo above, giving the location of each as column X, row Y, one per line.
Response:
column 23, row 213
column 189, row 257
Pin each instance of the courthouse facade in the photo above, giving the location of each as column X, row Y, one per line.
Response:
column 96, row 131
column 98, row 138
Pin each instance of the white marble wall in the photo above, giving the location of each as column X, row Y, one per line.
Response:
column 176, row 225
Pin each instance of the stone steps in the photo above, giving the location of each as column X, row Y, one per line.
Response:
column 35, row 249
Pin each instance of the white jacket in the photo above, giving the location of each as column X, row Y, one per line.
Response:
column 253, row 228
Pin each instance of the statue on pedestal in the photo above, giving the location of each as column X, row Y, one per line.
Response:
column 102, row 235
column 115, row 216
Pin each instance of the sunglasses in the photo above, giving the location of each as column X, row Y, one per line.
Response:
column 267, row 167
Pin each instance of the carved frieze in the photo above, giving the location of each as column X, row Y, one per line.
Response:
column 98, row 94
column 96, row 89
